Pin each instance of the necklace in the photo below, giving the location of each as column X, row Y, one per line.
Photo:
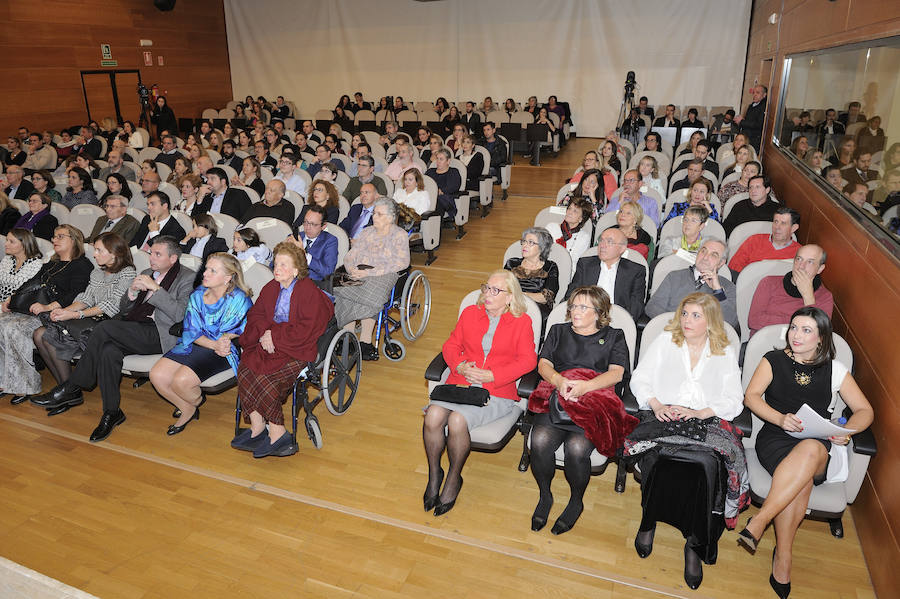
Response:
column 801, row 378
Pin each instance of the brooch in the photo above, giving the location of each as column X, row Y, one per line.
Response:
column 602, row 341
column 802, row 378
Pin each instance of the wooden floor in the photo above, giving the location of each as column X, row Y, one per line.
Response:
column 146, row 515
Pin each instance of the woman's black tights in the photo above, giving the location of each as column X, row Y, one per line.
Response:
column 545, row 439
column 60, row 369
column 458, row 444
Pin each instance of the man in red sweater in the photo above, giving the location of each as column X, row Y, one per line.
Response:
column 777, row 298
column 775, row 246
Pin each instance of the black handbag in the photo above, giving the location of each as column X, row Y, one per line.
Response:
column 69, row 337
column 558, row 415
column 343, row 279
column 461, row 394
column 32, row 292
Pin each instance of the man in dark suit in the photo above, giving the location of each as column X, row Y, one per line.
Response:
column 702, row 151
column 156, row 300
column 668, row 120
column 90, row 144
column 117, row 220
column 859, row 171
column 472, row 119
column 281, row 110
column 18, row 187
column 169, row 152
column 222, row 199
column 229, row 158
column 158, row 222
column 753, row 118
column 852, row 115
column 321, row 246
column 359, row 103
column 622, row 279
column 360, row 215
column 643, row 108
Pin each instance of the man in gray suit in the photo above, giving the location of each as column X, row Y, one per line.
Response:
column 156, row 300
column 117, row 220
column 703, row 276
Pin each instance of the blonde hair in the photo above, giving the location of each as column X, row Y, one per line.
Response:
column 715, row 326
column 233, row 267
column 636, row 210
column 654, row 166
column 517, row 305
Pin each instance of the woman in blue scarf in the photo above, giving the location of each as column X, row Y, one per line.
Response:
column 216, row 314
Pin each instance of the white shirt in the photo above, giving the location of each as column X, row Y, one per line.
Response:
column 293, row 183
column 417, row 200
column 152, row 234
column 136, row 140
column 664, row 372
column 197, row 249
column 607, row 278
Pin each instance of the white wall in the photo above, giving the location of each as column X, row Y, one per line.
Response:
column 682, row 51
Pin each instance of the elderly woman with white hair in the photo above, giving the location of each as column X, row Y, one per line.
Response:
column 378, row 254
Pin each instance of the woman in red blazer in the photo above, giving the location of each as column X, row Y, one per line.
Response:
column 498, row 327
column 280, row 339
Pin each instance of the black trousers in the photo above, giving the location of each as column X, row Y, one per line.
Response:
column 109, row 343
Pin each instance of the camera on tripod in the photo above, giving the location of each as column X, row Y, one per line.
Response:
column 143, row 94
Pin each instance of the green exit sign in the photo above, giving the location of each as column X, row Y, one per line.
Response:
column 109, row 63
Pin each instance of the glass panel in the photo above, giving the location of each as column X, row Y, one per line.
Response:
column 839, row 121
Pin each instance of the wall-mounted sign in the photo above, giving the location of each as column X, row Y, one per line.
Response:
column 148, row 59
column 105, row 52
column 109, row 63
column 160, row 61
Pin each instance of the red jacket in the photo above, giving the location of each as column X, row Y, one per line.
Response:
column 295, row 339
column 512, row 352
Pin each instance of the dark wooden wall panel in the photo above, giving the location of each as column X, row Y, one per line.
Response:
column 864, row 278
column 45, row 45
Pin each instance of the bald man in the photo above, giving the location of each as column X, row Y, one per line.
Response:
column 621, row 278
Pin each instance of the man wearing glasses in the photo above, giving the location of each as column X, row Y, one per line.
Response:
column 287, row 164
column 321, row 247
column 631, row 190
column 621, row 278
column 117, row 220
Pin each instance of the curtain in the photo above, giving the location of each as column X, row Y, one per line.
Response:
column 682, row 51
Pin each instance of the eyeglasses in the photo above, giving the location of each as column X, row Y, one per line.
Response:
column 60, row 237
column 629, row 180
column 306, row 222
column 528, row 243
column 581, row 308
column 495, row 291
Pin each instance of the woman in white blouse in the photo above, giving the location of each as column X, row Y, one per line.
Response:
column 688, row 374
column 575, row 231
column 649, row 170
column 21, row 263
column 135, row 139
column 412, row 193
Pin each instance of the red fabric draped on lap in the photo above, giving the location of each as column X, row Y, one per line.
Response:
column 600, row 413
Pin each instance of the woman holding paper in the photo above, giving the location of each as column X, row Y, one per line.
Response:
column 805, row 372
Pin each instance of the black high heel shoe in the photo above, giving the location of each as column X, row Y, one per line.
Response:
column 443, row 508
column 431, row 501
column 174, row 429
column 562, row 524
column 693, row 568
column 645, row 548
column 176, row 413
column 747, row 540
column 782, row 589
column 539, row 517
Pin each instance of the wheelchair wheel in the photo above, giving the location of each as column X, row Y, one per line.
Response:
column 314, row 431
column 340, row 372
column 394, row 350
column 415, row 306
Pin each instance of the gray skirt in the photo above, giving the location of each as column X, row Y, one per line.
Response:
column 363, row 301
column 476, row 416
column 18, row 375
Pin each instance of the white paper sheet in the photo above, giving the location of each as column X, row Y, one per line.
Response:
column 816, row 427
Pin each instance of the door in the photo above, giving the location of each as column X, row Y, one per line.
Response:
column 111, row 94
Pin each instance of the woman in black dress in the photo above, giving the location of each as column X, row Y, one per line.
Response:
column 163, row 117
column 538, row 275
column 805, row 372
column 581, row 361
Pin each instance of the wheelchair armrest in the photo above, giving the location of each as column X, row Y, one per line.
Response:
column 864, row 443
column 744, row 422
column 528, row 383
column 436, row 369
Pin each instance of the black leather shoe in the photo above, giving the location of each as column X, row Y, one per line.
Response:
column 443, row 508
column 174, row 429
column 693, row 568
column 368, row 351
column 60, row 395
column 643, row 542
column 17, row 399
column 431, row 501
column 562, row 524
column 108, row 422
column 782, row 589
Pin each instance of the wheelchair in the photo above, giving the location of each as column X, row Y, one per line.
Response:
column 409, row 312
column 335, row 374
